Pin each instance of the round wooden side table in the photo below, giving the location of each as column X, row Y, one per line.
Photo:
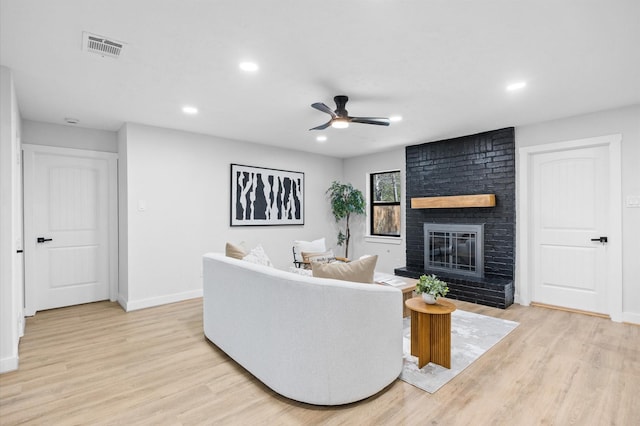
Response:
column 431, row 331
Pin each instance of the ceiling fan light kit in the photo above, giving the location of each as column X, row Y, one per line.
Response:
column 339, row 123
column 340, row 118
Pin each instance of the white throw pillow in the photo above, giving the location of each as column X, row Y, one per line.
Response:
column 315, row 246
column 258, row 256
column 300, row 271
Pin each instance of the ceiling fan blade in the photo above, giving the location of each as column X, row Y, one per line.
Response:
column 370, row 120
column 323, row 126
column 322, row 107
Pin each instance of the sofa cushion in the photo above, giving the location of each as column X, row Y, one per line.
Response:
column 309, row 246
column 258, row 256
column 360, row 271
column 232, row 250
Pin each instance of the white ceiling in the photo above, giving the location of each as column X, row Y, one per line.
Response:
column 442, row 65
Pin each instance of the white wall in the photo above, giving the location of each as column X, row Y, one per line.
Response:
column 67, row 136
column 11, row 301
column 183, row 179
column 625, row 121
column 391, row 251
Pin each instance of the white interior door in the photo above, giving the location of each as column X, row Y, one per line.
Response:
column 569, row 207
column 67, row 225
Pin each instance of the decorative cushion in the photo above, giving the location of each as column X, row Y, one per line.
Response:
column 232, row 250
column 320, row 257
column 360, row 271
column 315, row 246
column 258, row 256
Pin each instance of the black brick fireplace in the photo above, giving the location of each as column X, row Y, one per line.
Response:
column 477, row 164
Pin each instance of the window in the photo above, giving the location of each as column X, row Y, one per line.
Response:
column 385, row 203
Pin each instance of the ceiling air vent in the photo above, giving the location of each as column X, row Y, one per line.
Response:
column 101, row 45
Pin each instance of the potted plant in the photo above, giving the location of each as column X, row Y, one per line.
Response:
column 345, row 201
column 431, row 288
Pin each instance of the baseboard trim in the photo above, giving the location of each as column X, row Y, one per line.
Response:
column 134, row 305
column 575, row 311
column 8, row 364
column 517, row 300
column 122, row 302
column 631, row 318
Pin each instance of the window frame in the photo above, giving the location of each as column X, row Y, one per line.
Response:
column 373, row 204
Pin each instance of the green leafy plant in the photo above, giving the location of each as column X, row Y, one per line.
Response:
column 345, row 201
column 431, row 284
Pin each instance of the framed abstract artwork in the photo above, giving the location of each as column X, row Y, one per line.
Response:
column 261, row 196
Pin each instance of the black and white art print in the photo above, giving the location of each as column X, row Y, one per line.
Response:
column 261, row 196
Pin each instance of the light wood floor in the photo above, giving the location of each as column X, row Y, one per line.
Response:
column 95, row 364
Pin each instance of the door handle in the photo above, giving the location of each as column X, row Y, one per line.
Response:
column 602, row 240
column 43, row 239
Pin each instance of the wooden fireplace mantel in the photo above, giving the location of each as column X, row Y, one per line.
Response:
column 454, row 201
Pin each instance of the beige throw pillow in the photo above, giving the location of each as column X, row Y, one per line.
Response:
column 360, row 271
column 232, row 250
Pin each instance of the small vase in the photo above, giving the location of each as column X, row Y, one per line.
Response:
column 429, row 298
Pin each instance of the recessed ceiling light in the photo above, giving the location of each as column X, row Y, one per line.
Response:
column 249, row 66
column 395, row 118
column 70, row 120
column 517, row 86
column 321, row 138
column 189, row 110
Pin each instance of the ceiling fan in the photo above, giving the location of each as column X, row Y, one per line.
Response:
column 340, row 117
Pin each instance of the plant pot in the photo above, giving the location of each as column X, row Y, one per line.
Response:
column 429, row 298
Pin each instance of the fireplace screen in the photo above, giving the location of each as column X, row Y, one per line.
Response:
column 454, row 248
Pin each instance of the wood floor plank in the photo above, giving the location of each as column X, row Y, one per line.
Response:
column 95, row 364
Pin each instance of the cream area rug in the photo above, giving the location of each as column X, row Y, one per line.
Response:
column 471, row 336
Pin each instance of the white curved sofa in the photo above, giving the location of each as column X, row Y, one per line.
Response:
column 315, row 340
